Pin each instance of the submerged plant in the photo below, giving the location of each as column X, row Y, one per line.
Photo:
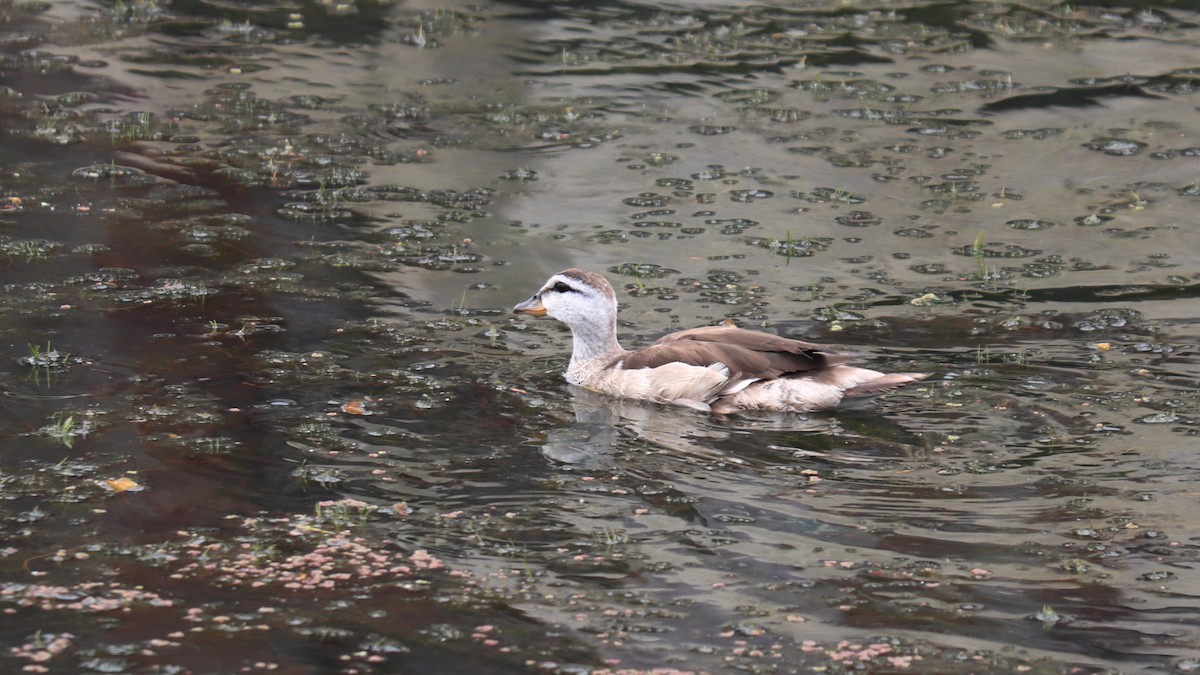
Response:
column 461, row 308
column 977, row 248
column 45, row 362
column 610, row 538
column 789, row 247
column 344, row 512
column 1048, row 617
column 493, row 334
column 31, row 251
column 65, row 430
column 983, row 355
column 62, row 431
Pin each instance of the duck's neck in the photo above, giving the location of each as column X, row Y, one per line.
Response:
column 590, row 347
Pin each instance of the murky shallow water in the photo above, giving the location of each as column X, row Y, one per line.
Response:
column 265, row 407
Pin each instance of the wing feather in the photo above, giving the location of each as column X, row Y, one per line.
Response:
column 739, row 360
column 747, row 353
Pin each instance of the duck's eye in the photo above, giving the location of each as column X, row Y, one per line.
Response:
column 560, row 287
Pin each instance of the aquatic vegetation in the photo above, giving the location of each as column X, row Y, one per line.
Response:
column 63, row 430
column 290, row 278
column 47, row 362
column 315, row 559
column 1117, row 146
column 29, row 250
column 791, row 248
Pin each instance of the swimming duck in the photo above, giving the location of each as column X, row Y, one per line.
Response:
column 722, row 369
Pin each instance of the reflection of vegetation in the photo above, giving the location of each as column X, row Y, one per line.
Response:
column 323, row 476
column 45, row 362
column 792, row 248
column 214, row 445
column 135, row 11
column 461, row 308
column 1136, row 202
column 611, row 538
column 62, row 431
column 977, row 247
column 181, row 290
column 344, row 512
column 1048, row 617
column 983, row 356
column 989, row 275
column 302, row 474
column 29, row 249
column 138, row 126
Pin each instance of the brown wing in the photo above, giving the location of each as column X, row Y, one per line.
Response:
column 785, row 354
column 750, row 339
column 747, row 353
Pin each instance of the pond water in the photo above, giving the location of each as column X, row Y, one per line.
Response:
column 266, row 408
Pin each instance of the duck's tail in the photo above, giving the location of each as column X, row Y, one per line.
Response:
column 882, row 384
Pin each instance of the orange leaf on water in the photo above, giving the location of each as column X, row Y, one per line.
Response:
column 121, row 484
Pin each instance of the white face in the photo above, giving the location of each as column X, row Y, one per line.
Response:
column 579, row 299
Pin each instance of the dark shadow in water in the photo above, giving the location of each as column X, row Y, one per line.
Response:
column 1075, row 98
column 368, row 22
column 947, row 16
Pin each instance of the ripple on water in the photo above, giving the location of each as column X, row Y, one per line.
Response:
column 287, row 301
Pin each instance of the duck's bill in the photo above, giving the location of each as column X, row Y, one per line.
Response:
column 532, row 307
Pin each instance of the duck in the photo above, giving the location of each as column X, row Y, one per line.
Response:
column 720, row 369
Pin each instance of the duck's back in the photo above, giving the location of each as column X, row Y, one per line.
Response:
column 764, row 371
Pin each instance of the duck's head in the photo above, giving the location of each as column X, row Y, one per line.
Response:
column 576, row 297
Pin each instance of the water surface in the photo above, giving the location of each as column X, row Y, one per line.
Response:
column 265, row 406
